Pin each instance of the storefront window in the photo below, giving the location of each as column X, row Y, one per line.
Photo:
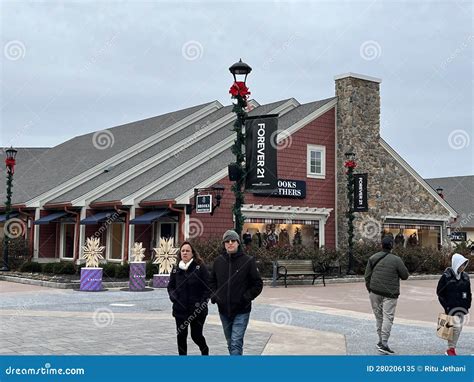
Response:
column 116, row 236
column 413, row 236
column 67, row 241
column 273, row 234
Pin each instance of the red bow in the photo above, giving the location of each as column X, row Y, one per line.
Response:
column 238, row 88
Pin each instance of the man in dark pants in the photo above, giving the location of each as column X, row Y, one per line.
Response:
column 235, row 281
column 382, row 279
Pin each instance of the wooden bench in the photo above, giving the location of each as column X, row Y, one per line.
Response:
column 285, row 268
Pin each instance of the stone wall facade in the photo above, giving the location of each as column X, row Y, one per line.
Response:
column 392, row 190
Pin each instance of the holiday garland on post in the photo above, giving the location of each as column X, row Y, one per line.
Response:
column 350, row 165
column 239, row 92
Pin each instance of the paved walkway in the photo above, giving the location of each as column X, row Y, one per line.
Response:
column 297, row 320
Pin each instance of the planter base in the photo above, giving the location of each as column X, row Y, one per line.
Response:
column 91, row 279
column 137, row 276
column 161, row 281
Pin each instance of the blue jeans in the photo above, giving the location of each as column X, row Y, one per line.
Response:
column 234, row 331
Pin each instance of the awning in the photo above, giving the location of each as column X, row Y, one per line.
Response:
column 150, row 217
column 100, row 217
column 48, row 219
column 4, row 217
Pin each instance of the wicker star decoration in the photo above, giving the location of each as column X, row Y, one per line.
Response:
column 92, row 252
column 138, row 252
column 165, row 256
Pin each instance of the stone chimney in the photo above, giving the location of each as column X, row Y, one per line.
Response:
column 358, row 130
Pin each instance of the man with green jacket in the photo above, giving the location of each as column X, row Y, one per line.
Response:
column 382, row 279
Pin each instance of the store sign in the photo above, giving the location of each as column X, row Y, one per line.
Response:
column 360, row 193
column 261, row 153
column 288, row 188
column 204, row 204
column 458, row 236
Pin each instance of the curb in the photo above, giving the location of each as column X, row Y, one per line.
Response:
column 266, row 281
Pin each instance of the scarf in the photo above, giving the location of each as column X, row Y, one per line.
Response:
column 182, row 265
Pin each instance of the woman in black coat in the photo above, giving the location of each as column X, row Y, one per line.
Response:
column 189, row 292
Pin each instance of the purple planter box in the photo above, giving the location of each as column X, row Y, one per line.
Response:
column 91, row 279
column 137, row 276
column 161, row 281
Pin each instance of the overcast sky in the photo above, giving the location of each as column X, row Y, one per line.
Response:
column 69, row 68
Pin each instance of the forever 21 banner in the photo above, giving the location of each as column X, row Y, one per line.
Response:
column 261, row 153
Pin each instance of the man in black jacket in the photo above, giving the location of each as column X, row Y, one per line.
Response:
column 235, row 281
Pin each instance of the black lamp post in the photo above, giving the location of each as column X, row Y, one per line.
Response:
column 350, row 164
column 10, row 165
column 239, row 92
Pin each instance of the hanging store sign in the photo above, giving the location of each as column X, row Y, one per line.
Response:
column 360, row 193
column 261, row 153
column 204, row 204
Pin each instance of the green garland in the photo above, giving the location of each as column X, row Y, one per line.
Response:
column 239, row 109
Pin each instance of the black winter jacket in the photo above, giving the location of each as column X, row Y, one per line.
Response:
column 235, row 281
column 189, row 290
column 454, row 295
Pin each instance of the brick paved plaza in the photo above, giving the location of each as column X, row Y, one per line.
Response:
column 298, row 320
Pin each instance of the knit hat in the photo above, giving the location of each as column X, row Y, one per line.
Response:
column 231, row 235
column 387, row 242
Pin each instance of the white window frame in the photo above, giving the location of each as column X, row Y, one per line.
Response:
column 109, row 247
column 62, row 244
column 322, row 150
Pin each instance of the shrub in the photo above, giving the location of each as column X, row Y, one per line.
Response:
column 30, row 266
column 151, row 269
column 64, row 267
column 18, row 252
column 108, row 270
column 122, row 271
column 48, row 267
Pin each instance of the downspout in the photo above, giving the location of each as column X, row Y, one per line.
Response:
column 32, row 233
column 180, row 221
column 127, row 229
column 77, row 227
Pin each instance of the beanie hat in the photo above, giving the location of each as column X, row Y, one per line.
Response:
column 387, row 242
column 231, row 235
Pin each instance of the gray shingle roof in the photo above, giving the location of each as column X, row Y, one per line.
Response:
column 73, row 157
column 458, row 191
column 211, row 167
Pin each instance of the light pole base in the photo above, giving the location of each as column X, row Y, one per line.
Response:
column 4, row 269
column 350, row 272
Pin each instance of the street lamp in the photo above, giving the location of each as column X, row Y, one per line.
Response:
column 350, row 164
column 10, row 165
column 239, row 92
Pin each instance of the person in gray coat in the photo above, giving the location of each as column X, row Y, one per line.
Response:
column 382, row 279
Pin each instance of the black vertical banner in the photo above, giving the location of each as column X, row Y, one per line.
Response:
column 360, row 193
column 261, row 153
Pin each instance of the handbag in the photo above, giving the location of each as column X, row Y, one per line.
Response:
column 445, row 326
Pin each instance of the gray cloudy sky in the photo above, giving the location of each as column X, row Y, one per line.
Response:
column 69, row 68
